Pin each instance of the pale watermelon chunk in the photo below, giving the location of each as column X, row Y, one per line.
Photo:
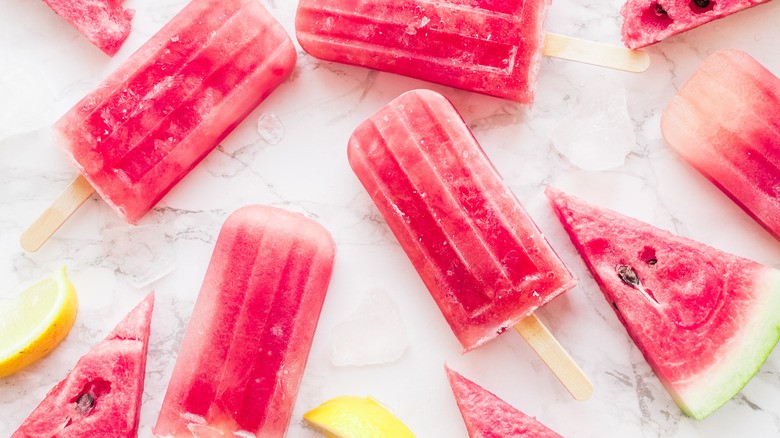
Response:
column 104, row 22
column 724, row 122
column 101, row 396
column 487, row 416
column 646, row 22
column 704, row 319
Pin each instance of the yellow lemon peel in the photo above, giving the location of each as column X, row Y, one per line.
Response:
column 33, row 323
column 356, row 417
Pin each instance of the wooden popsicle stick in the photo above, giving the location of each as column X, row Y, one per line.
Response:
column 591, row 52
column 58, row 212
column 555, row 357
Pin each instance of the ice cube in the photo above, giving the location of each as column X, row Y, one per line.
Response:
column 374, row 334
column 270, row 128
column 141, row 254
column 598, row 133
column 26, row 100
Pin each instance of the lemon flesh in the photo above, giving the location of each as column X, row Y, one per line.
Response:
column 356, row 417
column 35, row 322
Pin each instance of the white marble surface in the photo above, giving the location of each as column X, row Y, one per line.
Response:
column 307, row 171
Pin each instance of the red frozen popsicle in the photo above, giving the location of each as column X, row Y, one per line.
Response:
column 488, row 46
column 162, row 111
column 481, row 256
column 245, row 348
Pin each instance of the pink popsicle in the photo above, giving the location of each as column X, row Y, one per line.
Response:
column 481, row 256
column 484, row 261
column 162, row 111
column 246, row 345
column 724, row 122
column 489, row 46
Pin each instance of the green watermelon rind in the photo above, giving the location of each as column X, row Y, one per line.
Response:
column 725, row 379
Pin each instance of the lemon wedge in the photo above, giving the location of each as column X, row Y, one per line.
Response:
column 36, row 321
column 355, row 417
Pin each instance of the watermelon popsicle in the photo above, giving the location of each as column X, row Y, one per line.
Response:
column 246, row 345
column 165, row 108
column 487, row 46
column 484, row 261
column 724, row 122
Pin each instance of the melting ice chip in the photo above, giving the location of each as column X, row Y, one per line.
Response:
column 374, row 334
column 270, row 128
column 141, row 254
column 26, row 100
column 597, row 134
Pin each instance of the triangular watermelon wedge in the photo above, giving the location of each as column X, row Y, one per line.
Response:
column 104, row 22
column 647, row 22
column 101, row 396
column 487, row 416
column 704, row 319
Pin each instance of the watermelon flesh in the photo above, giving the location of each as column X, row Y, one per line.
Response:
column 647, row 22
column 104, row 22
column 705, row 320
column 101, row 396
column 724, row 122
column 487, row 416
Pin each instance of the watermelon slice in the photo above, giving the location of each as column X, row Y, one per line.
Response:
column 487, row 416
column 724, row 122
column 704, row 319
column 104, row 22
column 646, row 22
column 101, row 396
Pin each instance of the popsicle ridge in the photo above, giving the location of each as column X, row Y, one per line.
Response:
column 270, row 332
column 425, row 228
column 484, row 46
column 488, row 52
column 157, row 116
column 245, row 348
column 488, row 225
column 461, row 226
column 181, row 120
column 103, row 115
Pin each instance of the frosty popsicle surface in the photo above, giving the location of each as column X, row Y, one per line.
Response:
column 246, row 345
column 481, row 256
column 164, row 109
column 489, row 46
column 724, row 122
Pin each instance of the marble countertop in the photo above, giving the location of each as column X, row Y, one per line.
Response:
column 304, row 168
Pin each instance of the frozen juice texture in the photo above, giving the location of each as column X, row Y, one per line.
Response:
column 481, row 256
column 246, row 345
column 724, row 122
column 488, row 46
column 162, row 111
